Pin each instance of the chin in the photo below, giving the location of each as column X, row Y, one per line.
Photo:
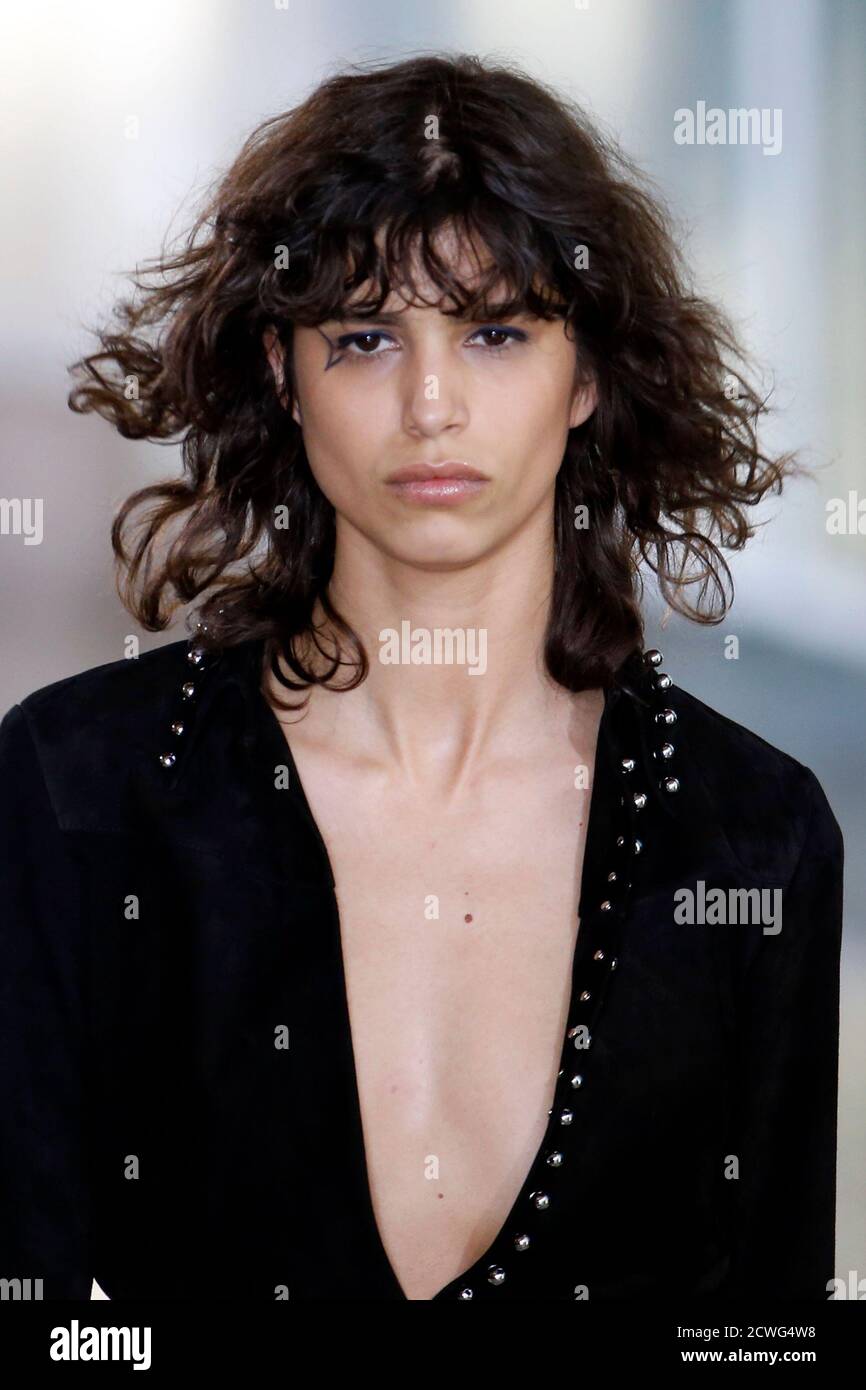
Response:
column 435, row 557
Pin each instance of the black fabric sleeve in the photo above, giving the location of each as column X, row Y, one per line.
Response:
column 44, row 1193
column 786, row 1079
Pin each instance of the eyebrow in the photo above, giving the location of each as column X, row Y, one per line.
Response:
column 496, row 311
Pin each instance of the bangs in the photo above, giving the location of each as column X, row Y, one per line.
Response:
column 487, row 263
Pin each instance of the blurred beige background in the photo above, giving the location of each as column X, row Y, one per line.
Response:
column 116, row 117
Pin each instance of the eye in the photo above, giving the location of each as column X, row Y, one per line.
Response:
column 349, row 340
column 514, row 335
column 359, row 346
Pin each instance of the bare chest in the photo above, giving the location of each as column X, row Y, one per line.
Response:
column 458, row 929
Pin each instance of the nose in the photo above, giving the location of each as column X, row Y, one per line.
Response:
column 435, row 390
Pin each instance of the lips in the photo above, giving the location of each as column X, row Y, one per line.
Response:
column 445, row 483
column 437, row 472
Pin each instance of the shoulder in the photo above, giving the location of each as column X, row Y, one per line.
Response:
column 77, row 733
column 771, row 807
column 109, row 685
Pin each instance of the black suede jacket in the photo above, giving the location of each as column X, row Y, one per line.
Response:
column 168, row 913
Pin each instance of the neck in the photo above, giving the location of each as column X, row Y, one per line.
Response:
column 457, row 677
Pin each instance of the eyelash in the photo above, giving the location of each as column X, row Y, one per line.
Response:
column 345, row 341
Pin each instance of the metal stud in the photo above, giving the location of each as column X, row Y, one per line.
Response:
column 521, row 1242
column 540, row 1200
column 168, row 759
column 496, row 1275
column 187, row 690
column 665, row 716
column 466, row 1293
column 195, row 656
column 177, row 728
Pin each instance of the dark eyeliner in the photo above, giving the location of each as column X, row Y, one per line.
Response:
column 517, row 335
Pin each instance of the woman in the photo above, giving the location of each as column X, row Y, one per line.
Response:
column 419, row 986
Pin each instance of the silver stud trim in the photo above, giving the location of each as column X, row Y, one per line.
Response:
column 565, row 1116
column 195, row 656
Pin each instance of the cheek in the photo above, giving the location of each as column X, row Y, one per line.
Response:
column 533, row 411
column 340, row 443
column 340, row 428
column 337, row 404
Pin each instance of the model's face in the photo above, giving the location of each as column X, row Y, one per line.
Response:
column 416, row 386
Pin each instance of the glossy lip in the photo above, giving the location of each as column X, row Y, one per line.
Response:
column 443, row 491
column 445, row 483
column 448, row 468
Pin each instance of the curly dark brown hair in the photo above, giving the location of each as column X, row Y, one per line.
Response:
column 339, row 193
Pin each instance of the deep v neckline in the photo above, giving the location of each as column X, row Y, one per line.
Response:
column 603, row 796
